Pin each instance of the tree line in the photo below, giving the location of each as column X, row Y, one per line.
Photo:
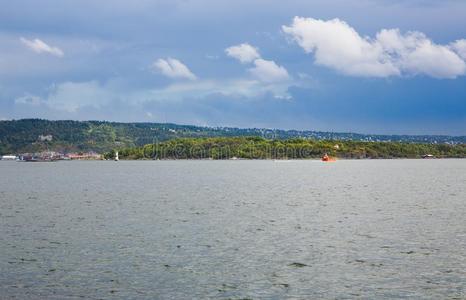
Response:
column 261, row 148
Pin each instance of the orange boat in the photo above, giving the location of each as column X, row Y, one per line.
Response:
column 327, row 158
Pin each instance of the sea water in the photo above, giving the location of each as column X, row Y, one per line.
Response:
column 362, row 229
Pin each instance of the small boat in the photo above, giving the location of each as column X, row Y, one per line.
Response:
column 327, row 158
column 117, row 158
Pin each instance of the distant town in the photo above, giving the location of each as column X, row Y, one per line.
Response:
column 53, row 156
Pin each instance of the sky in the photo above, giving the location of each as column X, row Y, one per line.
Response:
column 367, row 66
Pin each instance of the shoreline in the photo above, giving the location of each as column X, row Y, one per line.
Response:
column 252, row 159
column 286, row 160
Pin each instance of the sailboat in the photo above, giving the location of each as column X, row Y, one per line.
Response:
column 117, row 158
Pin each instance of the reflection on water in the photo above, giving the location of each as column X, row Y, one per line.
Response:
column 233, row 230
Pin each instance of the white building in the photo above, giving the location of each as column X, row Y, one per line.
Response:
column 44, row 138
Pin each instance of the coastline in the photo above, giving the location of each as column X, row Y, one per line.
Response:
column 282, row 160
column 245, row 159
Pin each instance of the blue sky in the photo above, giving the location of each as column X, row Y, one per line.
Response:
column 369, row 66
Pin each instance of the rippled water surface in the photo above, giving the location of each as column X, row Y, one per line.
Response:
column 233, row 230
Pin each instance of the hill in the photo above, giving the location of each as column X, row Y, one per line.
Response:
column 30, row 135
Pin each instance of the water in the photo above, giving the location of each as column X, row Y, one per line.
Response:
column 233, row 230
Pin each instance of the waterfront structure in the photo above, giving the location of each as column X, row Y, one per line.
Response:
column 9, row 157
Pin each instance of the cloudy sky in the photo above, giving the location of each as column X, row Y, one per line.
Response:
column 370, row 66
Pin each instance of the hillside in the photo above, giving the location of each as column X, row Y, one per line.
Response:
column 29, row 135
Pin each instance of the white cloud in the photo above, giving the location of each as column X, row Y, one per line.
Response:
column 249, row 88
column 337, row 45
column 413, row 53
column 245, row 53
column 72, row 97
column 173, row 68
column 266, row 71
column 39, row 46
column 459, row 47
column 269, row 71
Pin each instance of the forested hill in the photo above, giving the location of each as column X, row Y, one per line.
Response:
column 28, row 135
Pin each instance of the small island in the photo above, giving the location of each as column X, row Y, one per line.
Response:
column 261, row 148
